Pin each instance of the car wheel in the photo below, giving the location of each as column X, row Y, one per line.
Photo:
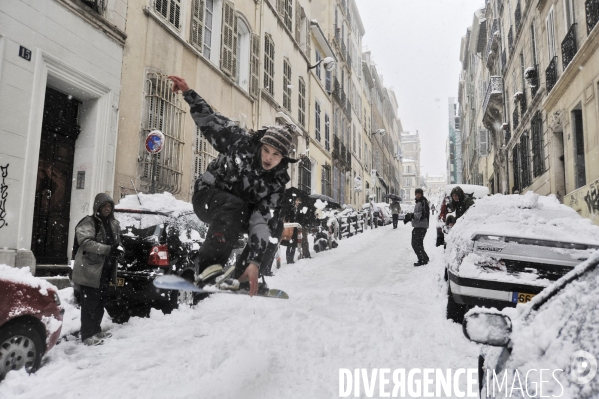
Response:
column 455, row 311
column 20, row 346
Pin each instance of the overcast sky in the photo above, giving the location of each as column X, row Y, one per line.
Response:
column 416, row 47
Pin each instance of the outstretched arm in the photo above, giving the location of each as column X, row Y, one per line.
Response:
column 219, row 130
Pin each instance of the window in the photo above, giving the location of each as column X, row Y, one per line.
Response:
column 516, row 168
column 269, row 65
column 208, row 20
column 171, row 10
column 244, row 42
column 288, row 14
column 305, row 175
column 317, row 119
column 336, row 184
column 524, row 161
column 354, row 147
column 327, row 132
column 327, row 84
column 569, row 13
column 536, row 128
column 326, row 180
column 301, row 104
column 533, row 42
column 550, row 34
column 197, row 24
column 579, row 156
column 286, row 84
column 163, row 111
column 318, row 58
column 228, row 57
column 255, row 67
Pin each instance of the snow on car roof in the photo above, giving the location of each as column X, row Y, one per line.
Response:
column 23, row 276
column 477, row 191
column 529, row 215
column 163, row 203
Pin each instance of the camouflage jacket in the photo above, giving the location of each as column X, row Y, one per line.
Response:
column 237, row 170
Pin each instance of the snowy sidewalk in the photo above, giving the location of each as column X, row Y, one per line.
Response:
column 362, row 305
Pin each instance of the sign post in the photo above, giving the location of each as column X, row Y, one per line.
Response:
column 154, row 144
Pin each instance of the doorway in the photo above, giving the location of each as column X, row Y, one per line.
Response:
column 51, row 216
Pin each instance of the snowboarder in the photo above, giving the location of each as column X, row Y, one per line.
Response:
column 460, row 202
column 241, row 189
column 98, row 246
column 395, row 209
column 419, row 220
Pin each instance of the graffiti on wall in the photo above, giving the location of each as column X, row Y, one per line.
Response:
column 3, row 195
column 585, row 201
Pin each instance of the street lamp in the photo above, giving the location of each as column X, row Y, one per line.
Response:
column 328, row 62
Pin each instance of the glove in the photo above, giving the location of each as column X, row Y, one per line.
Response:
column 117, row 251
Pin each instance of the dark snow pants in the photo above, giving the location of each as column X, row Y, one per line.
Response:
column 418, row 234
column 395, row 219
column 291, row 247
column 92, row 306
column 227, row 216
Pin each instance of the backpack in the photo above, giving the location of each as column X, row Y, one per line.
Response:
column 75, row 242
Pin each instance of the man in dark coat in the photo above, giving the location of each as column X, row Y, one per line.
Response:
column 99, row 239
column 240, row 190
column 460, row 202
column 420, row 219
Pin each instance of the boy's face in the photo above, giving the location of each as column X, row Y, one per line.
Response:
column 455, row 197
column 271, row 157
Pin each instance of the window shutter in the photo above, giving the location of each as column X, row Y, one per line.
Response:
column 255, row 66
column 228, row 52
column 298, row 24
column 197, row 23
column 281, row 8
column 175, row 12
column 483, row 142
column 308, row 39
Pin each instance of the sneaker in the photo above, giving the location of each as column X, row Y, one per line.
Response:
column 209, row 275
column 419, row 264
column 230, row 284
column 93, row 341
column 103, row 335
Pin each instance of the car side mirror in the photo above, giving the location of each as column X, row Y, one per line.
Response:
column 487, row 328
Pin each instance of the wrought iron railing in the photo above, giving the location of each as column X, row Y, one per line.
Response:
column 510, row 39
column 569, row 46
column 495, row 87
column 592, row 11
column 515, row 120
column 518, row 16
column 551, row 74
column 523, row 102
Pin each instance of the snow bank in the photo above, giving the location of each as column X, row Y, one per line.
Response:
column 24, row 276
column 164, row 202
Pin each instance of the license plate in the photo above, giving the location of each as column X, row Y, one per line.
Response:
column 120, row 282
column 521, row 297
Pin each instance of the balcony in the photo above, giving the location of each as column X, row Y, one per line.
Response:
column 493, row 103
column 518, row 17
column 551, row 74
column 592, row 11
column 569, row 46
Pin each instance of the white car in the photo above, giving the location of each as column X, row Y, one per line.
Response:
column 508, row 248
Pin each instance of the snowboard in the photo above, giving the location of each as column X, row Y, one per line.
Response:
column 170, row 282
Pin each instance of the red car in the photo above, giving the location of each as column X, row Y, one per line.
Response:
column 30, row 319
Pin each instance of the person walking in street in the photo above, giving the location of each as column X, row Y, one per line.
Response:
column 420, row 220
column 293, row 216
column 98, row 246
column 433, row 209
column 395, row 209
column 241, row 190
column 460, row 202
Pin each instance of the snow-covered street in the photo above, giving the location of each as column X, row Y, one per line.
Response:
column 362, row 305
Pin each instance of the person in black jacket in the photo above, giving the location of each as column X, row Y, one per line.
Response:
column 460, row 202
column 241, row 189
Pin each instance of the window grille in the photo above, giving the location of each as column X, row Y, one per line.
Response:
column 305, row 175
column 286, row 84
column 301, row 104
column 536, row 127
column 317, row 119
column 269, row 65
column 171, row 10
column 163, row 111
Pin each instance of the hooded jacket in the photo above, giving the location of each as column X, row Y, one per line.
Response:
column 421, row 213
column 460, row 207
column 93, row 251
column 238, row 171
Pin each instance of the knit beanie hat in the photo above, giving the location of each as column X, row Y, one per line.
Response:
column 279, row 137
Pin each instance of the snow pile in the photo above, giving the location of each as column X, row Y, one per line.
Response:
column 24, row 276
column 530, row 216
column 165, row 203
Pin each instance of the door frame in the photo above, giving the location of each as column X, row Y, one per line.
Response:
column 51, row 71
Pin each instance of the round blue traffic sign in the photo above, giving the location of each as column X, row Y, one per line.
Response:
column 154, row 142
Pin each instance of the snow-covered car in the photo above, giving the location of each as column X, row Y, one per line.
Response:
column 385, row 215
column 30, row 319
column 557, row 331
column 508, row 248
